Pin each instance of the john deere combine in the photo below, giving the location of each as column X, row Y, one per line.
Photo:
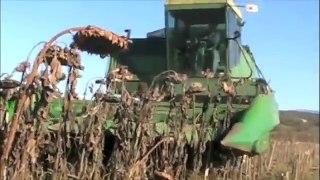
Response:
column 192, row 83
column 198, row 64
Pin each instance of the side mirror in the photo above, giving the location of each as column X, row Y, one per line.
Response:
column 253, row 8
column 237, row 35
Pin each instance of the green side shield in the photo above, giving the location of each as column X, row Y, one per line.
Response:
column 252, row 133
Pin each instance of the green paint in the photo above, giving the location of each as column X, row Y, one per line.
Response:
column 195, row 6
column 251, row 133
column 12, row 108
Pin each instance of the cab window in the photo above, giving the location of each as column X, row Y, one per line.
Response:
column 233, row 47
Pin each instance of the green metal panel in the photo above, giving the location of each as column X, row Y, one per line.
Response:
column 251, row 133
column 146, row 57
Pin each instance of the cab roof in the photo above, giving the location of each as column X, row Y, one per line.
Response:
column 200, row 4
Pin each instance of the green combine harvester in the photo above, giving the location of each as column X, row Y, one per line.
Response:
column 203, row 38
column 195, row 70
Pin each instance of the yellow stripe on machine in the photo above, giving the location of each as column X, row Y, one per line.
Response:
column 231, row 3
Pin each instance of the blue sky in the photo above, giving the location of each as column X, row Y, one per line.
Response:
column 284, row 37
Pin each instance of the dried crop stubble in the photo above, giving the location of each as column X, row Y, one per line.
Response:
column 285, row 160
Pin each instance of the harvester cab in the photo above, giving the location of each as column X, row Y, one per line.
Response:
column 196, row 36
column 199, row 36
column 202, row 35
